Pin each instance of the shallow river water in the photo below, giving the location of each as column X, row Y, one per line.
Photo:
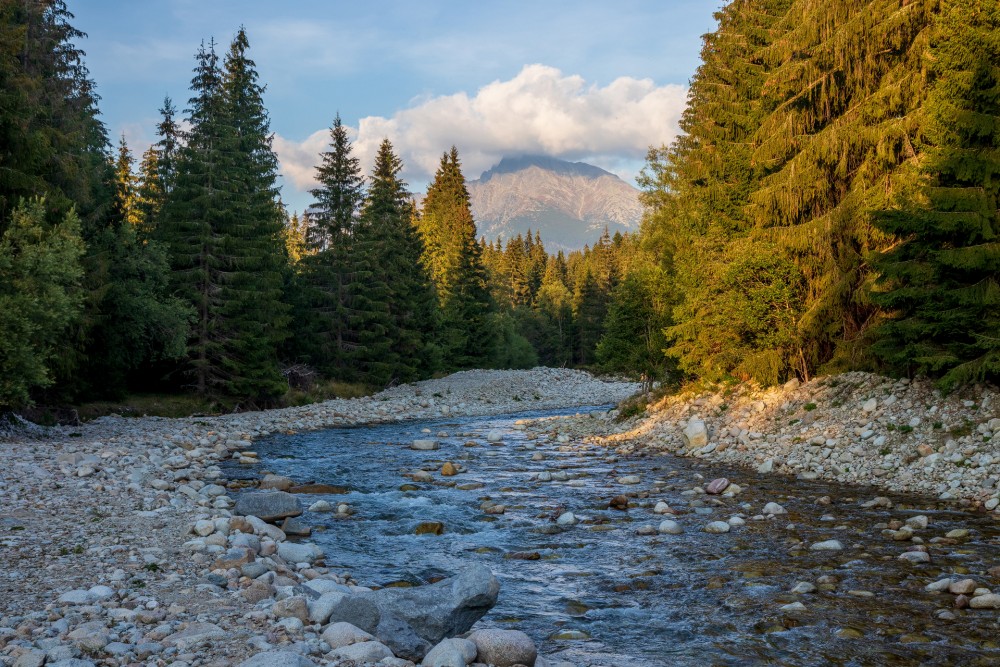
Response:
column 597, row 593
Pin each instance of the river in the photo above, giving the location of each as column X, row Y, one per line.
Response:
column 598, row 593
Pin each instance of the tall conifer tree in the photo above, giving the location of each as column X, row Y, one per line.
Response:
column 387, row 215
column 941, row 280
column 453, row 258
column 336, row 298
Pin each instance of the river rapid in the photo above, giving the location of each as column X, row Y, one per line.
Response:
column 601, row 592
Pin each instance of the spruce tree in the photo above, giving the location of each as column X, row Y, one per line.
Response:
column 387, row 216
column 339, row 268
column 941, row 279
column 150, row 194
column 125, row 197
column 634, row 341
column 223, row 226
column 190, row 217
column 454, row 260
column 168, row 145
column 253, row 256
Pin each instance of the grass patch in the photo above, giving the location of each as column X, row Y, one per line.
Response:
column 809, row 407
column 153, row 405
column 632, row 407
column 325, row 390
column 187, row 405
column 963, row 430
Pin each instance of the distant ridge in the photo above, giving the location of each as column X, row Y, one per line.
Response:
column 510, row 165
column 568, row 203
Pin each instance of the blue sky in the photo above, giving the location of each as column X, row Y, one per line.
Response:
column 581, row 80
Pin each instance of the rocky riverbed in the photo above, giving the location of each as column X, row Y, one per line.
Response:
column 124, row 542
column 123, row 546
column 854, row 428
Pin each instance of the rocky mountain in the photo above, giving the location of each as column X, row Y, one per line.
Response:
column 569, row 203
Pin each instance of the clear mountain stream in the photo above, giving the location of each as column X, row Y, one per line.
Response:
column 599, row 593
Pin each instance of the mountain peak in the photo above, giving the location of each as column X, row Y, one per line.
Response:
column 568, row 203
column 511, row 165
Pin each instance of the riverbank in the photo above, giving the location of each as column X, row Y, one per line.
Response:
column 853, row 428
column 113, row 532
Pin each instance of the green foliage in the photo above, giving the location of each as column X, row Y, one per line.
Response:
column 453, row 259
column 387, row 216
column 824, row 142
column 344, row 304
column 223, row 226
column 513, row 350
column 634, row 340
column 40, row 297
column 941, row 281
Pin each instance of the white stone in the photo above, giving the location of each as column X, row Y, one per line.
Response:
column 827, row 545
column 870, row 405
column 203, row 528
column 670, row 527
column 774, row 508
column 915, row 556
column 804, row 587
column 424, row 445
column 566, row 519
column 695, row 433
column 939, row 585
column 717, row 527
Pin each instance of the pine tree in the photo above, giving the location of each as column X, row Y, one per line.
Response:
column 412, row 304
column 698, row 188
column 223, row 224
column 125, row 201
column 150, row 194
column 338, row 274
column 843, row 95
column 190, row 215
column 340, row 194
column 634, row 340
column 941, row 280
column 454, row 260
column 168, row 146
column 52, row 143
column 251, row 231
column 590, row 307
column 295, row 238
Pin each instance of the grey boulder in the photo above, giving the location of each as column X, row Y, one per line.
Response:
column 451, row 653
column 362, row 652
column 443, row 609
column 504, row 648
column 268, row 505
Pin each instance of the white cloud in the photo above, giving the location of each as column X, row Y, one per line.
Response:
column 539, row 111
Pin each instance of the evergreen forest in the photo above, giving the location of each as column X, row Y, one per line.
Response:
column 832, row 203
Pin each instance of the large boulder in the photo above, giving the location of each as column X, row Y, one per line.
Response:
column 696, row 433
column 444, row 609
column 401, row 638
column 268, row 505
column 305, row 552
